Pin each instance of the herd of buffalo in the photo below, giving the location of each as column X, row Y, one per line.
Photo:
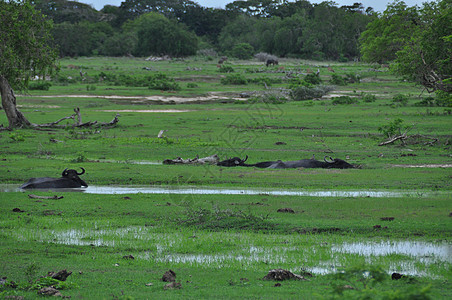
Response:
column 70, row 178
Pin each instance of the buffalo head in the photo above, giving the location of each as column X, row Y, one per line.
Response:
column 337, row 163
column 233, row 162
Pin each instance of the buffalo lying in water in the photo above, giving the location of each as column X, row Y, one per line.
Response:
column 302, row 163
column 69, row 179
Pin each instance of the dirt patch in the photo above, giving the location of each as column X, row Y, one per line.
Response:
column 155, row 98
column 424, row 166
column 147, row 110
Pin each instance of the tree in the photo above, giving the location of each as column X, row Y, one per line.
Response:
column 24, row 51
column 426, row 57
column 157, row 35
column 418, row 41
column 388, row 33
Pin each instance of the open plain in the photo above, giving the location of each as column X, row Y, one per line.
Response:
column 222, row 229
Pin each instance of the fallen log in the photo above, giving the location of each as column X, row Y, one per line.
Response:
column 55, row 197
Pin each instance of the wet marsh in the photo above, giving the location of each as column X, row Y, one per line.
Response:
column 219, row 228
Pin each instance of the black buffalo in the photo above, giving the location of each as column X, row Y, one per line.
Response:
column 233, row 162
column 302, row 163
column 69, row 179
column 271, row 61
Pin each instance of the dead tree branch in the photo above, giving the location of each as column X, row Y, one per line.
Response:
column 77, row 117
column 392, row 140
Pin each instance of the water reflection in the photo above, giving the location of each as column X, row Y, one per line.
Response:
column 422, row 251
column 136, row 189
column 415, row 257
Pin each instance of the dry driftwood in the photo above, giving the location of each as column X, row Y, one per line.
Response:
column 392, row 140
column 77, row 117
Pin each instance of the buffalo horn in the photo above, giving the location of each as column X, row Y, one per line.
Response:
column 331, row 159
column 83, row 171
column 64, row 173
column 246, row 157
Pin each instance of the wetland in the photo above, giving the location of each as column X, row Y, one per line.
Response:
column 222, row 229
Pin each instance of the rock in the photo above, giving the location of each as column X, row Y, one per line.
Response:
column 173, row 286
column 280, row 275
column 169, row 276
column 49, row 291
column 60, row 275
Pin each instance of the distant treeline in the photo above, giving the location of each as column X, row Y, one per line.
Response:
column 181, row 28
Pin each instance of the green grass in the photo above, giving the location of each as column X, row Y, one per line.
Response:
column 221, row 246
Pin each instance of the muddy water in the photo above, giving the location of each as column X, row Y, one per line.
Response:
column 413, row 257
column 227, row 191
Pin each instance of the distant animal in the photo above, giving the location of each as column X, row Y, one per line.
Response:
column 233, row 162
column 222, row 60
column 302, row 163
column 69, row 179
column 271, row 61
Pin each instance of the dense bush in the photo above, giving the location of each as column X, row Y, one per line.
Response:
column 368, row 97
column 236, row 79
column 226, row 69
column 313, row 78
column 301, row 93
column 242, row 51
column 39, row 85
column 400, row 100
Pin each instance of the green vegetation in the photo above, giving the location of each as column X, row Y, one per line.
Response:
column 119, row 245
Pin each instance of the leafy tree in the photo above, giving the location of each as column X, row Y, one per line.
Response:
column 426, row 57
column 131, row 9
column 388, row 33
column 417, row 40
column 24, row 52
column 243, row 51
column 158, row 35
column 81, row 39
column 66, row 11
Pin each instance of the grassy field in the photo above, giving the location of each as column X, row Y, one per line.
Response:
column 118, row 246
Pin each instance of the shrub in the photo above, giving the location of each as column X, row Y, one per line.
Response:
column 296, row 82
column 394, row 128
column 243, row 51
column 236, row 79
column 301, row 93
column 344, row 100
column 352, row 78
column 368, row 97
column 400, row 100
column 264, row 80
column 337, row 80
column 313, row 78
column 443, row 98
column 192, row 85
column 226, row 69
column 40, row 85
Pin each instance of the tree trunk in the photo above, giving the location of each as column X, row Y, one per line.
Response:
column 15, row 117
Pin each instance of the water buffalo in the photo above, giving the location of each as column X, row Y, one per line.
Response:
column 233, row 162
column 271, row 61
column 306, row 163
column 69, row 179
column 302, row 163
